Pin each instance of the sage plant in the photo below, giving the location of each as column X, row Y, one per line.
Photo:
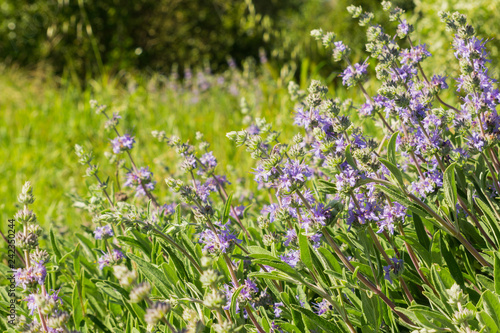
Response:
column 339, row 232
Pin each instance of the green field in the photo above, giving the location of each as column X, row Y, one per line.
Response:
column 43, row 117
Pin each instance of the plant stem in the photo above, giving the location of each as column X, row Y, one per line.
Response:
column 364, row 280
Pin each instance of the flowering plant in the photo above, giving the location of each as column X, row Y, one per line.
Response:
column 344, row 234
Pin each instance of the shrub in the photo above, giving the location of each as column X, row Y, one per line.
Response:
column 345, row 234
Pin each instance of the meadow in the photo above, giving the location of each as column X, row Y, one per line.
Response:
column 45, row 116
column 259, row 199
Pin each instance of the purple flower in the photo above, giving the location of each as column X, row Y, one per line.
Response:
column 310, row 118
column 247, row 293
column 294, row 175
column 291, row 235
column 301, row 302
column 403, row 29
column 367, row 211
column 122, row 143
column 28, row 277
column 348, row 76
column 414, row 55
column 141, row 181
column 346, row 180
column 31, row 300
column 253, row 129
column 292, row 258
column 390, row 216
column 439, row 81
column 316, row 240
column 396, row 266
column 239, row 212
column 209, row 160
column 320, row 214
column 475, row 141
column 105, row 232
column 271, row 210
column 322, row 307
column 354, row 74
column 340, row 46
column 275, row 328
column 366, row 109
column 110, row 259
column 277, row 309
column 31, row 303
column 220, row 242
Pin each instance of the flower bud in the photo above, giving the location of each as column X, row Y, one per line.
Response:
column 156, row 313
column 25, row 216
column 268, row 240
column 214, row 300
column 124, row 276
column 26, row 196
column 209, row 277
column 140, row 292
column 40, row 256
column 58, row 320
column 27, row 241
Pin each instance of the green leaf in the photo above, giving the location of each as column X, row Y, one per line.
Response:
column 330, row 259
column 391, row 148
column 491, row 303
column 423, row 239
column 227, row 209
column 305, row 254
column 153, row 274
column 134, row 243
column 326, row 187
column 394, row 170
column 234, row 301
column 54, row 245
column 497, row 274
column 455, row 271
column 449, row 186
column 395, row 195
column 348, row 157
column 98, row 323
column 325, row 325
column 487, row 321
column 77, row 306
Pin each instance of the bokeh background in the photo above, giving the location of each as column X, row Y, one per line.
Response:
column 176, row 65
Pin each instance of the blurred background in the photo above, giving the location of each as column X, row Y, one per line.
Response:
column 176, row 65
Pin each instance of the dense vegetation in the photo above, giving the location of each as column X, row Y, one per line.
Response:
column 241, row 200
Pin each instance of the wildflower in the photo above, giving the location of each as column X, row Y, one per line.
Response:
column 354, row 75
column 29, row 277
column 476, row 143
column 156, row 313
column 390, row 216
column 218, row 242
column 140, row 292
column 122, row 143
column 109, row 259
column 247, row 293
column 346, row 180
column 209, row 160
column 141, row 181
column 404, row 29
column 277, row 309
column 292, row 258
column 322, row 307
column 396, row 266
column 291, row 235
column 103, row 232
column 294, row 176
column 239, row 212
